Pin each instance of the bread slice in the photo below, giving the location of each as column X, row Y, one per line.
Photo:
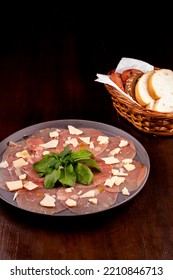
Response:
column 150, row 106
column 160, row 83
column 142, row 94
column 163, row 105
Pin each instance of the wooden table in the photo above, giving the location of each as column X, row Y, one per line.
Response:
column 47, row 72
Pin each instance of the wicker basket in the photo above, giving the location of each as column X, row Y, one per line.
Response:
column 145, row 120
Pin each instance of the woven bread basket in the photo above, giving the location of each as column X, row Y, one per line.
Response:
column 145, row 120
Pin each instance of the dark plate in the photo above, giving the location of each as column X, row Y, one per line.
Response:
column 141, row 155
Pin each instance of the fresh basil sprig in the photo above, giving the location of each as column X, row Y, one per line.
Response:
column 66, row 167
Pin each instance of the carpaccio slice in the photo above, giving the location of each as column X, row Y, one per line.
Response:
column 30, row 201
column 32, row 174
column 94, row 146
column 32, row 149
column 65, row 137
column 6, row 175
column 135, row 177
column 87, row 201
column 132, row 178
column 13, row 147
column 120, row 147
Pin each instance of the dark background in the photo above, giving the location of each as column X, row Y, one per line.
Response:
column 88, row 37
column 110, row 29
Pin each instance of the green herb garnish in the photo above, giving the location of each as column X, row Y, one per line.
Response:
column 67, row 168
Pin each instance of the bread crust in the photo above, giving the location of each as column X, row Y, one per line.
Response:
column 142, row 93
column 131, row 83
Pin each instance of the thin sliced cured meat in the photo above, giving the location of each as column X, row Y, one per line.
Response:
column 33, row 175
column 101, row 196
column 64, row 138
column 120, row 147
column 132, row 179
column 44, row 134
column 135, row 177
column 98, row 148
column 114, row 188
column 30, row 201
column 5, row 176
column 94, row 145
column 33, row 143
column 10, row 153
column 86, row 205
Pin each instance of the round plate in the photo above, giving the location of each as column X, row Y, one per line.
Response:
column 141, row 154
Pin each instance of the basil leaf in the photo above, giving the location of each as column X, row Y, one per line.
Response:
column 81, row 154
column 84, row 174
column 68, row 176
column 65, row 152
column 45, row 165
column 92, row 163
column 41, row 174
column 66, row 167
column 51, row 179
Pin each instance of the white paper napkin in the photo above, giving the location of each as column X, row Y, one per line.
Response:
column 131, row 63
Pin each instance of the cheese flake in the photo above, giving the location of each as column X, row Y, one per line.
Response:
column 91, row 145
column 129, row 166
column 110, row 160
column 4, row 164
column 85, row 139
column 123, row 143
column 90, row 193
column 50, row 144
column 93, row 200
column 127, row 160
column 23, row 154
column 71, row 202
column 114, row 180
column 115, row 151
column 54, row 134
column 118, row 172
column 48, row 201
column 22, row 176
column 30, row 185
column 46, row 153
column 102, row 139
column 110, row 182
column 74, row 130
column 68, row 190
column 14, row 185
column 19, row 163
column 125, row 191
column 72, row 141
column 15, row 195
column 119, row 180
